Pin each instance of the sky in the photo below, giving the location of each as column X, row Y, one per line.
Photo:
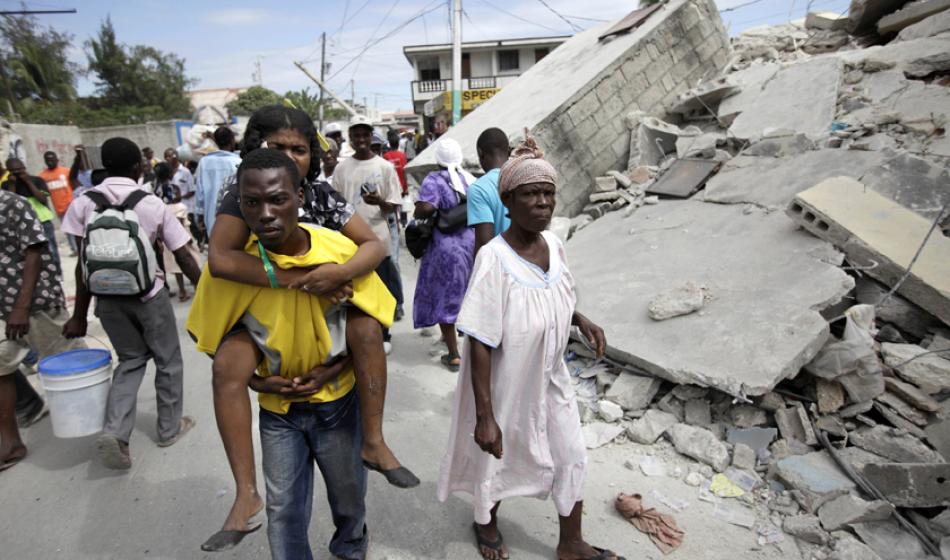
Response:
column 221, row 42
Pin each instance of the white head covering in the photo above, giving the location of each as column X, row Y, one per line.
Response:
column 448, row 154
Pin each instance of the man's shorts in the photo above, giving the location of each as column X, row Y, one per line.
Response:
column 45, row 336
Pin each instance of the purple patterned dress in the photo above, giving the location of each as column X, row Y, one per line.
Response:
column 447, row 264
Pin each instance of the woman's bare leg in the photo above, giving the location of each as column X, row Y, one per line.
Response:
column 234, row 364
column 450, row 337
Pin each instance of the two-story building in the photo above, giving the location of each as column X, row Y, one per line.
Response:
column 487, row 66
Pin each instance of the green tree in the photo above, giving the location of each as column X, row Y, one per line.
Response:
column 253, row 99
column 35, row 63
column 137, row 76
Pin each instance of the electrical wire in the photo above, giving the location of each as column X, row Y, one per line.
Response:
column 739, row 7
column 573, row 25
column 372, row 37
column 516, row 16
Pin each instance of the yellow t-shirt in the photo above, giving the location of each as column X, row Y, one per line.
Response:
column 290, row 326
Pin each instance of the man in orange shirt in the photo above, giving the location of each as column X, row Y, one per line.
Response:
column 60, row 190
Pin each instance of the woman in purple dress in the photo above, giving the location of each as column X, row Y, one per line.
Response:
column 447, row 263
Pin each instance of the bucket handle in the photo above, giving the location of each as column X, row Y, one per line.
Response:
column 57, row 341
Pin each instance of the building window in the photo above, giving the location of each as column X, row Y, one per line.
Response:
column 508, row 60
column 540, row 53
column 429, row 68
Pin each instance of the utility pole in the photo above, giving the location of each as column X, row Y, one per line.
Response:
column 352, row 92
column 457, row 62
column 258, row 76
column 323, row 72
column 346, row 106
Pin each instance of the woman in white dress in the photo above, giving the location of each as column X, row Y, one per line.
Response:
column 516, row 430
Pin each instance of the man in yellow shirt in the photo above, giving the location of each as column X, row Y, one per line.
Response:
column 309, row 408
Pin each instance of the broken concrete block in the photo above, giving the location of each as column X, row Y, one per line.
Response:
column 808, row 95
column 598, row 434
column 863, row 15
column 702, row 146
column 697, row 412
column 895, row 445
column 793, row 423
column 656, row 138
column 793, row 277
column 610, row 411
column 815, row 476
column 743, row 457
column 642, row 174
column 929, row 372
column 911, row 394
column 856, row 409
column 933, row 25
column 888, row 540
column 845, row 510
column 649, row 427
column 830, row 395
column 605, row 196
column 910, row 14
column 897, row 310
column 871, row 228
column 621, row 179
column 938, row 435
column 703, row 99
column 633, row 392
column 672, row 405
column 899, row 421
column 771, row 401
column 805, row 527
column 701, row 445
column 747, row 416
column 831, row 424
column 826, row 20
column 905, row 410
column 605, row 184
column 911, row 485
column 846, row 547
column 755, row 438
column 689, row 392
column 680, row 300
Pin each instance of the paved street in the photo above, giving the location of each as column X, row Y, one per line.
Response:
column 61, row 503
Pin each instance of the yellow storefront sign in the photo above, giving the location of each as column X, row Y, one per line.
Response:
column 471, row 98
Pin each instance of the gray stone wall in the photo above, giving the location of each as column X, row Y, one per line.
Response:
column 31, row 141
column 586, row 136
column 156, row 135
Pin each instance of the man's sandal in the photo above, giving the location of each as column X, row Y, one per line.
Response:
column 226, row 539
column 495, row 545
column 400, row 477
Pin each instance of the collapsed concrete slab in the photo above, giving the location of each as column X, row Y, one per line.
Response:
column 576, row 98
column 863, row 15
column 768, row 281
column 933, row 25
column 751, row 81
column 911, row 485
column 910, row 14
column 870, row 228
column 816, row 477
column 801, row 98
column 889, row 540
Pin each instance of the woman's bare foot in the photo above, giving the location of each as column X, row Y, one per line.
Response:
column 580, row 550
column 11, row 454
column 245, row 507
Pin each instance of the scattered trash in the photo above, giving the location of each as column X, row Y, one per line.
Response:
column 742, row 518
column 651, row 466
column 725, row 488
column 672, row 503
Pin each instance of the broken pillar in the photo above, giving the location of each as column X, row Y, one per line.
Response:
column 575, row 99
column 911, row 485
column 870, row 228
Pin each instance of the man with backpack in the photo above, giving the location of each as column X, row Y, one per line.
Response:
column 118, row 224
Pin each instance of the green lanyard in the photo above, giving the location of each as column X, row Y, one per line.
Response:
column 268, row 267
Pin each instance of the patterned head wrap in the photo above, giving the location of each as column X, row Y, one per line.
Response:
column 527, row 165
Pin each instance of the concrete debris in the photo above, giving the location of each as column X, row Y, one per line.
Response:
column 896, row 310
column 621, row 179
column 697, row 413
column 903, row 408
column 826, row 20
column 911, row 485
column 933, row 25
column 681, row 300
column 793, row 424
column 888, row 540
column 652, row 139
column 701, row 445
column 747, row 416
column 929, row 372
column 672, row 405
column 894, row 445
column 845, row 510
column 633, row 392
column 807, row 93
column 598, row 434
column 609, row 411
column 704, row 98
column 830, row 395
column 849, row 548
column 605, row 184
column 863, row 15
column 771, row 401
column 938, row 435
column 757, row 439
column 805, row 527
column 815, row 477
column 649, row 427
column 743, row 457
column 702, row 146
column 910, row 14
column 689, row 392
column 898, row 421
column 871, row 228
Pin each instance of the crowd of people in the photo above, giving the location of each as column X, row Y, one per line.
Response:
column 295, row 301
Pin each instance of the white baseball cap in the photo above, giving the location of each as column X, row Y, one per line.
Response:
column 333, row 127
column 361, row 120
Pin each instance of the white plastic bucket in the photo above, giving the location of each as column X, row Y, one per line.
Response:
column 77, row 388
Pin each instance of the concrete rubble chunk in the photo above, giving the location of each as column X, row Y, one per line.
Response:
column 863, row 15
column 938, row 435
column 654, row 139
column 815, row 476
column 781, row 146
column 633, row 392
column 911, row 394
column 743, row 457
column 598, row 434
column 702, row 146
column 807, row 92
column 776, row 275
column 610, row 411
column 830, row 395
column 771, row 401
column 906, row 411
column 845, row 510
column 930, row 372
column 910, row 14
column 793, row 424
column 752, row 80
column 911, row 485
column 942, row 522
column 689, row 392
column 683, row 299
column 895, row 445
column 649, row 427
column 871, row 228
column 697, row 413
column 755, row 438
column 888, row 540
column 896, row 310
column 899, row 421
column 703, row 97
column 605, row 184
column 701, row 445
column 806, row 528
column 847, row 547
column 826, row 20
column 933, row 25
column 747, row 416
column 672, row 405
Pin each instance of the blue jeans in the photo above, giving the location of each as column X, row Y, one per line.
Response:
column 330, row 435
column 49, row 230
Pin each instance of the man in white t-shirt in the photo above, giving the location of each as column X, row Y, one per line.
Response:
column 371, row 185
column 185, row 181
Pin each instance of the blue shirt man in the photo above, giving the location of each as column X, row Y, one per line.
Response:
column 486, row 213
column 214, row 172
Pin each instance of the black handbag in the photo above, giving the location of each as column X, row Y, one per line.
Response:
column 455, row 218
column 419, row 234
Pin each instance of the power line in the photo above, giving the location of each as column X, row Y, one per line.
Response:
column 598, row 20
column 372, row 36
column 573, row 25
column 516, row 16
column 739, row 7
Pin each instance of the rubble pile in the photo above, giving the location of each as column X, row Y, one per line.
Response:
column 777, row 296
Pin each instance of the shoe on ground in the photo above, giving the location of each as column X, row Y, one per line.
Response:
column 399, row 314
column 113, row 452
column 187, row 423
column 387, row 347
column 33, row 416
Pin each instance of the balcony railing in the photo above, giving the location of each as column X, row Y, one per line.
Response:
column 437, row 86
